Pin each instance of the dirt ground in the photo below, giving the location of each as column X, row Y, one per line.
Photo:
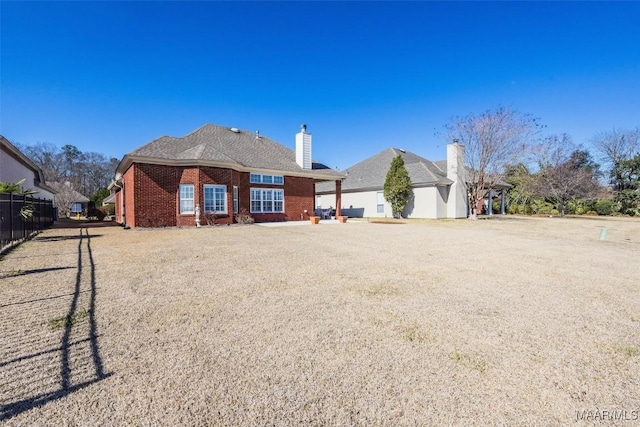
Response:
column 509, row 321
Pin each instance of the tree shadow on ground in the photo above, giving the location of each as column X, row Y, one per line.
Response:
column 5, row 274
column 80, row 363
column 60, row 238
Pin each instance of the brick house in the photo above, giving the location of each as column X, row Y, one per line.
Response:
column 222, row 171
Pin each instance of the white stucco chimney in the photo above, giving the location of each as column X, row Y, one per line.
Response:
column 457, row 201
column 303, row 148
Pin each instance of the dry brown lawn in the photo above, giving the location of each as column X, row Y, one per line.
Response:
column 511, row 321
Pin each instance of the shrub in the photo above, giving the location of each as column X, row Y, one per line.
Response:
column 516, row 208
column 607, row 207
column 244, row 217
column 629, row 202
column 573, row 207
column 591, row 213
column 541, row 207
column 211, row 218
column 580, row 207
column 109, row 209
column 96, row 212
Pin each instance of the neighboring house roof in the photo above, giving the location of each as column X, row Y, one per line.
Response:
column 77, row 197
column 110, row 199
column 220, row 146
column 14, row 152
column 371, row 173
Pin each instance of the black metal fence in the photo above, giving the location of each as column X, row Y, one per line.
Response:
column 13, row 227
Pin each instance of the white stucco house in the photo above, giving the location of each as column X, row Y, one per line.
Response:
column 15, row 166
column 439, row 189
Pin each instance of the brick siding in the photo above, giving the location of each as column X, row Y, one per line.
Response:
column 151, row 195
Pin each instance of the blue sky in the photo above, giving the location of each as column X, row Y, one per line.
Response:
column 111, row 76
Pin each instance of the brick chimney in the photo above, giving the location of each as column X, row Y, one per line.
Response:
column 303, row 148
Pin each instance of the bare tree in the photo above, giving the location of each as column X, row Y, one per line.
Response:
column 615, row 147
column 492, row 140
column 566, row 172
column 49, row 158
column 65, row 197
column 95, row 171
column 88, row 172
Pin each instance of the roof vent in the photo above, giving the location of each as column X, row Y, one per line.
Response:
column 257, row 134
column 235, row 130
column 402, row 150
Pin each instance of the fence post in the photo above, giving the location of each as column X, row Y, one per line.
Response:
column 13, row 237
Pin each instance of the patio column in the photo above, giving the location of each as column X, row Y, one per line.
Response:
column 489, row 203
column 502, row 204
column 338, row 197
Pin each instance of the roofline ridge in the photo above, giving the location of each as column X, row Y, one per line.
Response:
column 229, row 128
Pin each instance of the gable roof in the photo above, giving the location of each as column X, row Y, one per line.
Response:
column 371, row 173
column 110, row 199
column 220, row 146
column 59, row 187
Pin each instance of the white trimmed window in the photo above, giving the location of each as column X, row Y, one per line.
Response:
column 215, row 198
column 278, row 200
column 186, row 199
column 267, row 200
column 380, row 204
column 76, row 207
column 318, row 202
column 256, row 200
column 256, row 178
column 235, row 200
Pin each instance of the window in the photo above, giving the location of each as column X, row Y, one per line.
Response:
column 256, row 178
column 267, row 200
column 186, row 198
column 235, row 200
column 76, row 207
column 278, row 201
column 215, row 198
column 256, row 200
column 380, row 205
column 318, row 202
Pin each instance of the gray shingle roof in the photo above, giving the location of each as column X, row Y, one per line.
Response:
column 213, row 144
column 372, row 172
column 111, row 198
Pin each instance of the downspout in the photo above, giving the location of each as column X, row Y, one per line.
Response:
column 121, row 187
